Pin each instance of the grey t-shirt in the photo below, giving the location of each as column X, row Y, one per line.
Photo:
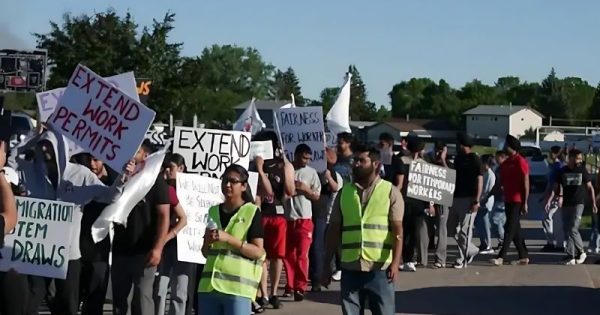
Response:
column 301, row 207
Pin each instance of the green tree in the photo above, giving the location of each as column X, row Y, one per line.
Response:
column 287, row 83
column 595, row 108
column 360, row 108
column 328, row 97
column 579, row 96
column 406, row 96
column 383, row 113
column 551, row 98
column 476, row 93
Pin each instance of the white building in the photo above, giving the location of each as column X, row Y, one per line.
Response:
column 489, row 121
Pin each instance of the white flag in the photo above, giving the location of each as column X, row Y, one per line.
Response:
column 250, row 120
column 135, row 190
column 338, row 118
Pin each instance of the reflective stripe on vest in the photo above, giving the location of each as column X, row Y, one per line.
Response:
column 227, row 270
column 366, row 233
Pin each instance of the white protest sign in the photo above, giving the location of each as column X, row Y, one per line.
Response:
column 39, row 244
column 209, row 151
column 330, row 139
column 253, row 183
column 263, row 149
column 48, row 100
column 304, row 125
column 103, row 120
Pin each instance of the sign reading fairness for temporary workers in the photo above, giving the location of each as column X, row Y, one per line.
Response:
column 102, row 119
column 429, row 182
column 39, row 244
column 209, row 151
column 304, row 125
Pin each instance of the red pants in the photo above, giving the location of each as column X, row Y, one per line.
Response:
column 299, row 238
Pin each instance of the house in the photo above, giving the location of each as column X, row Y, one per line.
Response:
column 496, row 121
column 360, row 129
column 265, row 110
column 434, row 129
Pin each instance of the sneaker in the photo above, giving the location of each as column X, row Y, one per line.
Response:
column 410, row 266
column 471, row 259
column 520, row 262
column 438, row 265
column 497, row 261
column 337, row 276
column 458, row 265
column 298, row 296
column 275, row 302
column 570, row 262
column 581, row 259
column 549, row 248
column 262, row 301
column 486, row 251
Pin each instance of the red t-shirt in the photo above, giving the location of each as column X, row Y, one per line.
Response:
column 512, row 174
column 173, row 196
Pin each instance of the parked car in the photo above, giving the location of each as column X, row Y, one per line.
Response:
column 21, row 126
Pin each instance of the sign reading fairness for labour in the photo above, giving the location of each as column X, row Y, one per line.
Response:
column 39, row 244
column 304, row 125
column 100, row 118
column 429, row 182
column 209, row 152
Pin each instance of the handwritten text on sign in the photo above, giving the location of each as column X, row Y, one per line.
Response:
column 39, row 244
column 429, row 182
column 102, row 119
column 263, row 149
column 304, row 125
column 209, row 152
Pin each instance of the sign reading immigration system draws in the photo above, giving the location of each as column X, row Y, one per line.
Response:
column 304, row 125
column 209, row 151
column 429, row 182
column 102, row 119
column 39, row 244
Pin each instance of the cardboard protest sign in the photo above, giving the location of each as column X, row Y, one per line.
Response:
column 157, row 137
column 39, row 244
column 263, row 149
column 330, row 139
column 48, row 100
column 303, row 125
column 100, row 118
column 209, row 151
column 429, row 182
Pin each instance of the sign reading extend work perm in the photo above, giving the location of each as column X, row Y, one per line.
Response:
column 304, row 125
column 429, row 182
column 100, row 118
column 39, row 244
column 209, row 151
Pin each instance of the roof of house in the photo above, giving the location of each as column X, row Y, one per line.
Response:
column 404, row 125
column 499, row 110
column 263, row 104
column 362, row 124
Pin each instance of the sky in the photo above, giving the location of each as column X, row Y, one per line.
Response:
column 388, row 41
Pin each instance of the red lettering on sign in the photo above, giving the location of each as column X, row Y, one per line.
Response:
column 102, row 87
column 77, row 76
column 88, row 83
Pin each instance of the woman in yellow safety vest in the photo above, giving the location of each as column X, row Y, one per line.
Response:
column 233, row 247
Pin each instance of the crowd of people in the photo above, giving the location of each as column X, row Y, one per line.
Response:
column 352, row 222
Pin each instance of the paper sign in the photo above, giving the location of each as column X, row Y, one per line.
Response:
column 39, row 244
column 48, row 100
column 209, row 151
column 304, row 125
column 103, row 120
column 330, row 139
column 263, row 149
column 429, row 182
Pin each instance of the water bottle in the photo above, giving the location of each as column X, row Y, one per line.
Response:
column 211, row 225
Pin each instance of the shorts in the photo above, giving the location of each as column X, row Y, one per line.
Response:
column 275, row 228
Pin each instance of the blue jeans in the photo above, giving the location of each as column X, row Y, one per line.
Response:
column 595, row 239
column 223, row 304
column 358, row 287
column 498, row 219
column 317, row 251
column 484, row 228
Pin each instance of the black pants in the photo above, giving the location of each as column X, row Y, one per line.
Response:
column 93, row 286
column 14, row 290
column 66, row 300
column 412, row 210
column 512, row 231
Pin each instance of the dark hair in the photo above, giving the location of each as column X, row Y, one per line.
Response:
column 387, row 137
column 439, row 145
column 177, row 159
column 574, row 153
column 148, row 146
column 415, row 144
column 487, row 159
column 345, row 136
column 501, row 152
column 247, row 196
column 84, row 159
column 373, row 152
column 302, row 149
column 555, row 149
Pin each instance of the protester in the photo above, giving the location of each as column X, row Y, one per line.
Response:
column 137, row 248
column 514, row 173
column 573, row 180
column 50, row 176
column 345, row 156
column 233, row 250
column 367, row 220
column 172, row 272
column 467, row 196
column 300, row 226
column 552, row 222
column 482, row 220
column 388, row 160
column 440, row 220
column 498, row 215
column 594, row 244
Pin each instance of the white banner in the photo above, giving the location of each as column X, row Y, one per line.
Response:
column 209, row 151
column 39, row 244
column 303, row 125
column 338, row 118
column 48, row 100
column 263, row 149
column 102, row 119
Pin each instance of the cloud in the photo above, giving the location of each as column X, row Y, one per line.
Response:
column 10, row 40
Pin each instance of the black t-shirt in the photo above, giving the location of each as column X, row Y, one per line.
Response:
column 574, row 182
column 274, row 170
column 256, row 228
column 140, row 234
column 468, row 167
